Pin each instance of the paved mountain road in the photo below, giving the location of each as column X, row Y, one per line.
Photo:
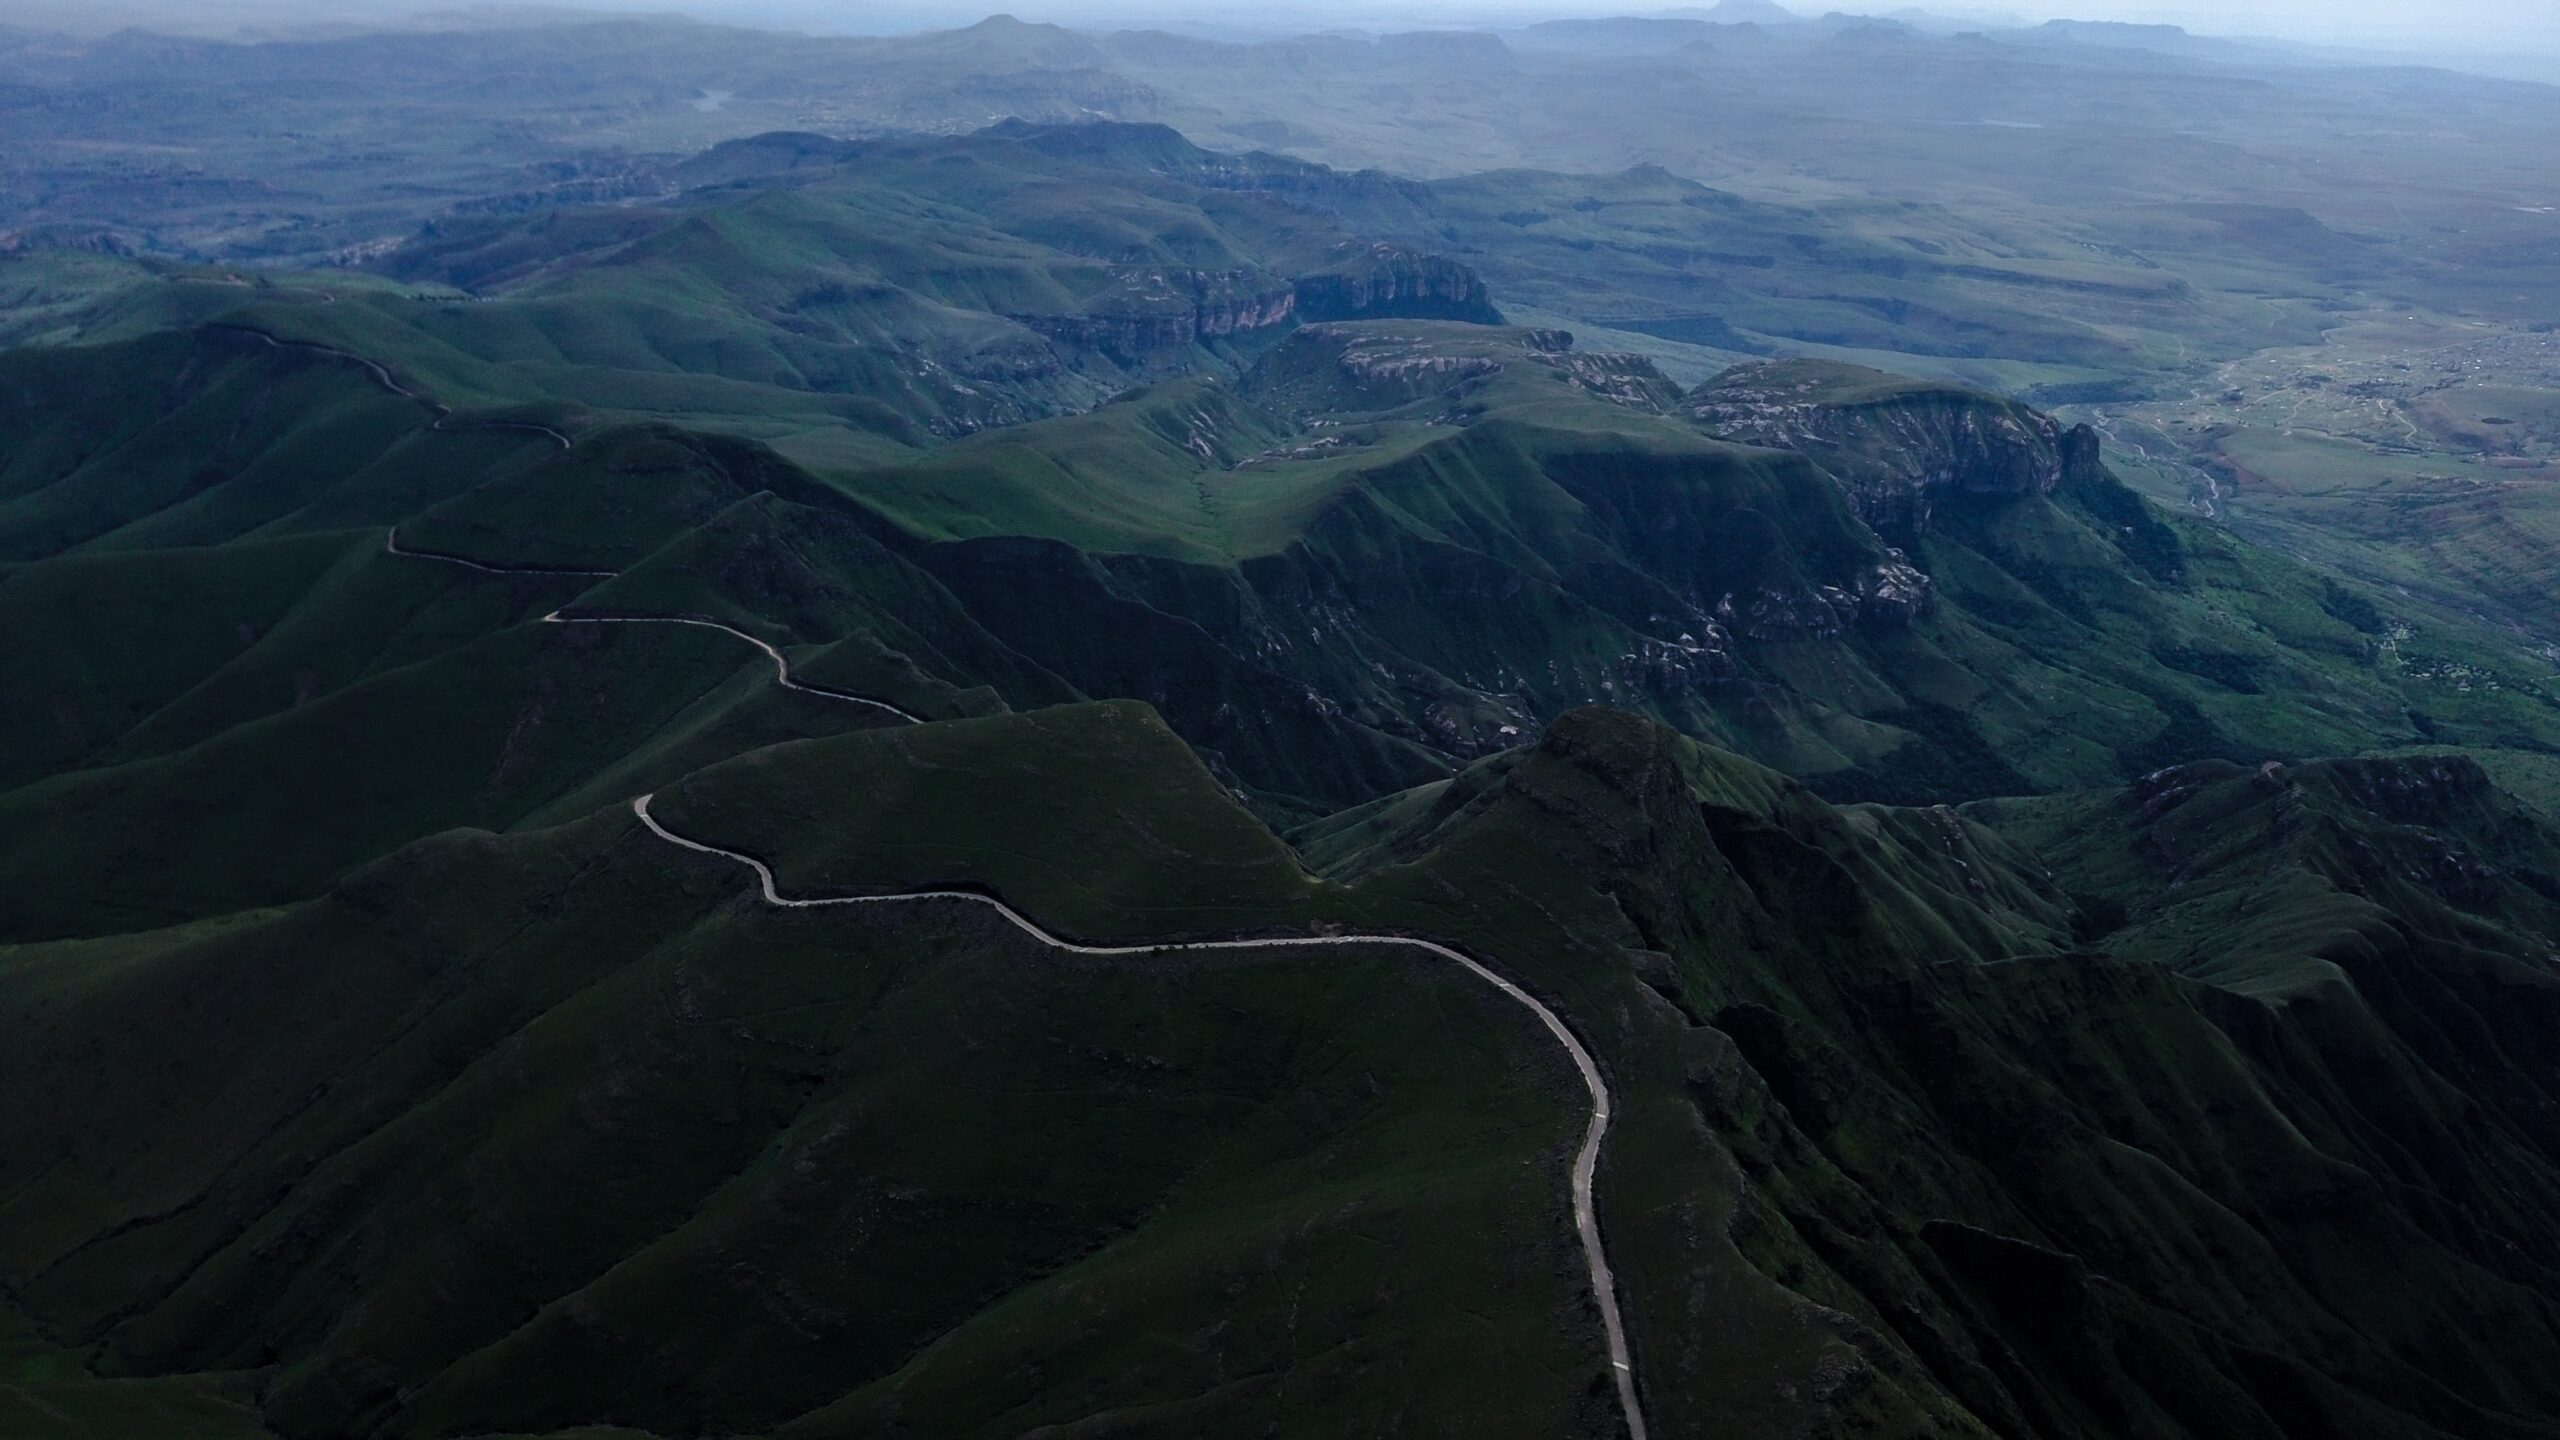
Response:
column 391, row 546
column 781, row 667
column 442, row 415
column 1586, row 1162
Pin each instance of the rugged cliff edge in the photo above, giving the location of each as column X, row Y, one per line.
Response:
column 1895, row 444
column 1380, row 281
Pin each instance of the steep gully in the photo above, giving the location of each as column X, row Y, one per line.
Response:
column 1586, row 1161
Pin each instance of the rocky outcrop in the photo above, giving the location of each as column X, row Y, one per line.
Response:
column 1689, row 661
column 1384, row 282
column 1417, row 373
column 1802, row 612
column 1896, row 446
column 1620, row 378
column 95, row 239
column 1327, row 367
column 1377, row 367
column 1155, row 312
column 1892, row 594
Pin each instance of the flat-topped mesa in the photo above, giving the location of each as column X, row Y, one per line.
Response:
column 1156, row 310
column 1896, row 445
column 1377, row 366
column 1380, row 281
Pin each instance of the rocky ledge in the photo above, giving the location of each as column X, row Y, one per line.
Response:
column 1892, row 594
column 1155, row 311
column 1390, row 282
column 1897, row 446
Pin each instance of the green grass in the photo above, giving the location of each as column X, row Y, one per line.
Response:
column 189, row 439
column 307, row 792
column 1129, row 836
column 604, row 505
column 2083, row 1110
column 2265, row 882
column 1377, row 1140
column 2531, row 776
column 1145, row 475
column 909, row 1169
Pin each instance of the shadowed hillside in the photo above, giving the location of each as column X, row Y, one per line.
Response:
column 1854, row 1148
column 1026, row 778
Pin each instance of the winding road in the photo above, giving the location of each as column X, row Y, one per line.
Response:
column 381, row 373
column 781, row 667
column 391, row 546
column 1586, row 1161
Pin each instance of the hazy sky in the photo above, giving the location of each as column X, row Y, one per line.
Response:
column 2502, row 29
column 2465, row 24
column 2441, row 26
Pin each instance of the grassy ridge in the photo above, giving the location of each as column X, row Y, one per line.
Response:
column 2214, row 1106
column 1133, row 833
column 808, row 1144
column 1376, row 1140
column 1331, row 626
column 308, row 792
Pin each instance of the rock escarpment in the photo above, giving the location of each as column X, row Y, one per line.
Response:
column 1155, row 312
column 1379, row 366
column 1151, row 313
column 1380, row 282
column 1897, row 446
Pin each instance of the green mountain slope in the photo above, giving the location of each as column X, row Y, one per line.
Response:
column 1402, row 545
column 910, row 288
column 888, row 1231
column 201, row 437
column 1892, row 1151
column 2005, row 1024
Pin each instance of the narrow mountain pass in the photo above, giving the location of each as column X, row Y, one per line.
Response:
column 1586, row 1162
column 781, row 667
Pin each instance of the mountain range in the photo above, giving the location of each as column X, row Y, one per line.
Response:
column 1040, row 778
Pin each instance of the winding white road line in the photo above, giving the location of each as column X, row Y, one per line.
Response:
column 391, row 546
column 443, row 414
column 781, row 666
column 1586, row 1163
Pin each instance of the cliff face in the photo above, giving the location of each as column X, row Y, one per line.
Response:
column 1379, row 366
column 1378, row 282
column 1896, row 446
column 1153, row 313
